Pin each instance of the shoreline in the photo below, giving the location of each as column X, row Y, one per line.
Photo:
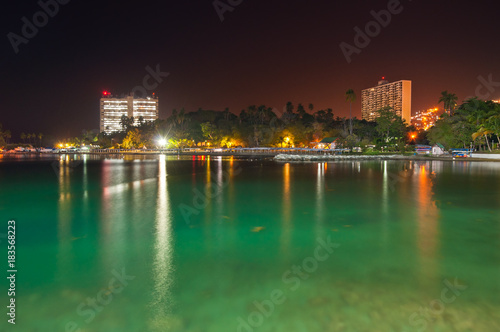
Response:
column 283, row 157
column 288, row 158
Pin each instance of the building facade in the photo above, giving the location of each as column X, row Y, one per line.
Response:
column 112, row 109
column 397, row 95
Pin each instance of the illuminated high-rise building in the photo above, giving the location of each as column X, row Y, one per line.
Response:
column 112, row 109
column 397, row 95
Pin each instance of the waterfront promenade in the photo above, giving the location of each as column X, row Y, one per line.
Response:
column 270, row 152
column 298, row 154
column 291, row 154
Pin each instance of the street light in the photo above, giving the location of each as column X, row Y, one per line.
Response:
column 162, row 142
column 287, row 140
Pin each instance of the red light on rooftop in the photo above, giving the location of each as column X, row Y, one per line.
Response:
column 383, row 77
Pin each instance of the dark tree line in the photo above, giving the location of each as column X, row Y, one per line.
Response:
column 260, row 126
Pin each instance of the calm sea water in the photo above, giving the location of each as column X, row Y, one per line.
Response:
column 220, row 244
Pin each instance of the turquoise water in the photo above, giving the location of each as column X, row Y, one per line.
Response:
column 221, row 244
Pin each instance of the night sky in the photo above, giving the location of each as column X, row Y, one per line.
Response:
column 264, row 52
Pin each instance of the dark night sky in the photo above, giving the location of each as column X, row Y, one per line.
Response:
column 265, row 52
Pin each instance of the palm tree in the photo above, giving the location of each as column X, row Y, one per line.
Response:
column 3, row 136
column 483, row 132
column 7, row 135
column 88, row 136
column 261, row 111
column 493, row 124
column 140, row 120
column 40, row 135
column 180, row 118
column 350, row 96
column 126, row 122
column 288, row 116
column 23, row 137
column 301, row 110
column 226, row 113
column 449, row 101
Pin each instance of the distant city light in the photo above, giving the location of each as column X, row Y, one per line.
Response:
column 423, row 120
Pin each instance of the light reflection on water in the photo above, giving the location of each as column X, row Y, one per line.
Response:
column 163, row 260
column 411, row 224
column 320, row 199
column 427, row 213
column 286, row 214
